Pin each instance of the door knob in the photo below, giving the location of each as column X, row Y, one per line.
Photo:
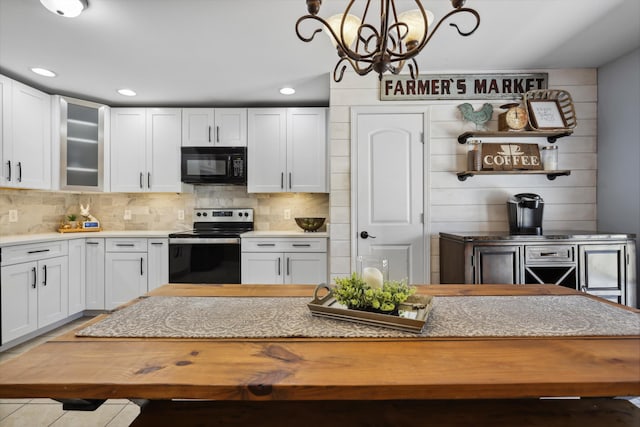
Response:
column 366, row 235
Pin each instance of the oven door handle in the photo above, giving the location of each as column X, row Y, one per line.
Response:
column 204, row 240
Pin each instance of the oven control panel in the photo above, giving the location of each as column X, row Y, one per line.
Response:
column 223, row 215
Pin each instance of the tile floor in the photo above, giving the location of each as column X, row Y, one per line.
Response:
column 49, row 413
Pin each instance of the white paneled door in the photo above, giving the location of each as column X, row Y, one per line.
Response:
column 389, row 191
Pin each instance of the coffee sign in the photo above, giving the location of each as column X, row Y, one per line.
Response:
column 510, row 156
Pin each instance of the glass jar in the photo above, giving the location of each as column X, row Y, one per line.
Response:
column 474, row 155
column 373, row 270
column 549, row 157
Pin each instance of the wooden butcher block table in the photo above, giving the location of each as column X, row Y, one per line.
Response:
column 407, row 381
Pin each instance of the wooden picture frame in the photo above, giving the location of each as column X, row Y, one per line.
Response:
column 546, row 114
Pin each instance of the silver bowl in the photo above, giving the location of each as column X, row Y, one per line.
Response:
column 310, row 224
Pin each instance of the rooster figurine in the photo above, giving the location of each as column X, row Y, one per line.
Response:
column 479, row 117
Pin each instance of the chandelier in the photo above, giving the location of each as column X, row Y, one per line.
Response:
column 396, row 41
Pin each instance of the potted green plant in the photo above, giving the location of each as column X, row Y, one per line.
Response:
column 356, row 294
column 72, row 220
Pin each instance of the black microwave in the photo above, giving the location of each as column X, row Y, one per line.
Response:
column 214, row 165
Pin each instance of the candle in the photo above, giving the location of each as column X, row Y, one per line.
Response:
column 372, row 277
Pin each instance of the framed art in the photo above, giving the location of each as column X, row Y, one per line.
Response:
column 546, row 114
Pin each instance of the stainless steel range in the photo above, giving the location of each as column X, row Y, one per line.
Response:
column 210, row 253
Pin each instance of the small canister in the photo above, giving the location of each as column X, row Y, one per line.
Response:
column 549, row 158
column 474, row 155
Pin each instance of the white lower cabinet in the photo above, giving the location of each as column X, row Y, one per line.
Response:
column 94, row 267
column 284, row 260
column 125, row 270
column 53, row 290
column 261, row 268
column 43, row 283
column 158, row 256
column 301, row 268
column 19, row 300
column 77, row 276
column 34, row 291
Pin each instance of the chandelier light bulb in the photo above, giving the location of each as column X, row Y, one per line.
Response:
column 66, row 8
column 415, row 23
column 351, row 24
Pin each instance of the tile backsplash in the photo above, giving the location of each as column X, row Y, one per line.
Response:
column 44, row 211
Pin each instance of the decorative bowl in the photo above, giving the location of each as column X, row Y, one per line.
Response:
column 310, row 224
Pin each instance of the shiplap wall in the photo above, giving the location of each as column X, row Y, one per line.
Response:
column 479, row 203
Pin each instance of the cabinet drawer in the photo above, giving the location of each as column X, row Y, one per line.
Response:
column 33, row 252
column 549, row 254
column 126, row 245
column 285, row 245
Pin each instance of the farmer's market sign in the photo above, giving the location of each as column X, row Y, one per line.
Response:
column 460, row 86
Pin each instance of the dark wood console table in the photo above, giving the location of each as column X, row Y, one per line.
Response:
column 602, row 264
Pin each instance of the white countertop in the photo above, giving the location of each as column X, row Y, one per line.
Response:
column 19, row 239
column 285, row 233
column 45, row 237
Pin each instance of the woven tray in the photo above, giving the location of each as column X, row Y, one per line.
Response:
column 564, row 102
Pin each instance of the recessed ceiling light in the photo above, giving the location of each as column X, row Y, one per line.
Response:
column 43, row 72
column 126, row 92
column 287, row 91
column 66, row 8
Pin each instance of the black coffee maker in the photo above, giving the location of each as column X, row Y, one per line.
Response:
column 525, row 213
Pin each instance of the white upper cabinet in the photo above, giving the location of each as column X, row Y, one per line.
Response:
column 307, row 150
column 287, row 150
column 26, row 136
column 267, row 150
column 5, row 118
column 79, row 136
column 145, row 149
column 214, row 127
column 128, row 149
column 163, row 149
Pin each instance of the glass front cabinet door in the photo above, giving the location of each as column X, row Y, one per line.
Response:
column 82, row 144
